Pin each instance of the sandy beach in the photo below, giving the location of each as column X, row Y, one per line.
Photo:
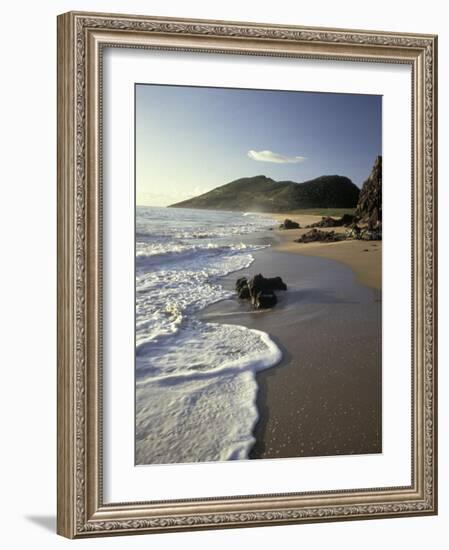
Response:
column 363, row 257
column 324, row 397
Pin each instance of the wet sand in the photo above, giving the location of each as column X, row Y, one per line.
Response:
column 324, row 398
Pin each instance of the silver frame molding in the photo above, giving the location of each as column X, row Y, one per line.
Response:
column 81, row 39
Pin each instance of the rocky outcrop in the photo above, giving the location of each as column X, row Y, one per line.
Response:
column 315, row 235
column 369, row 206
column 261, row 283
column 354, row 232
column 260, row 290
column 242, row 288
column 289, row 224
column 326, row 221
column 264, row 300
column 347, row 220
column 365, row 225
column 365, row 233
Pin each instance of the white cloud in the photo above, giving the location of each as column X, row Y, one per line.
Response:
column 269, row 156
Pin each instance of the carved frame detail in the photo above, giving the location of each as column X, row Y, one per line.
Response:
column 81, row 39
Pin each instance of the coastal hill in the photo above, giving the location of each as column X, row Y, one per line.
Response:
column 263, row 194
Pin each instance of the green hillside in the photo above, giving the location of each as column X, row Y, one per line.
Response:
column 262, row 194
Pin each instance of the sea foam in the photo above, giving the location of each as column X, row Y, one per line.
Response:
column 195, row 380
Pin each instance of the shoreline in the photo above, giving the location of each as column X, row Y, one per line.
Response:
column 324, row 396
column 363, row 257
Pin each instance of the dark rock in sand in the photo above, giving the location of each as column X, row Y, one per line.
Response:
column 370, row 233
column 276, row 283
column 264, row 299
column 241, row 282
column 354, row 232
column 315, row 235
column 244, row 293
column 259, row 283
column 260, row 290
column 327, row 221
column 373, row 234
column 347, row 220
column 242, row 288
column 289, row 224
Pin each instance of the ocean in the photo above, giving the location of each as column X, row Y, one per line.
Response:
column 195, row 380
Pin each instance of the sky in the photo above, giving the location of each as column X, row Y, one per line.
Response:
column 190, row 140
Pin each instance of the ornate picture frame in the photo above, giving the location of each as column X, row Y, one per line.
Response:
column 82, row 38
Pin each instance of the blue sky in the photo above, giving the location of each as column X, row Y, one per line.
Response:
column 190, row 140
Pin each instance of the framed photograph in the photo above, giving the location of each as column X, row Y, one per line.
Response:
column 246, row 274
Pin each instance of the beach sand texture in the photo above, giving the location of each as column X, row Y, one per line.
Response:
column 325, row 396
column 363, row 257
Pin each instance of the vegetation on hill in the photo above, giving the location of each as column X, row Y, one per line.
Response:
column 263, row 194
